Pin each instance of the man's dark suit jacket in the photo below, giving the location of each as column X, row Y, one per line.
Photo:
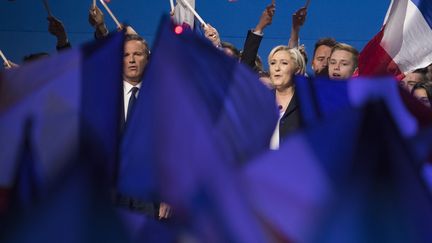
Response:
column 250, row 49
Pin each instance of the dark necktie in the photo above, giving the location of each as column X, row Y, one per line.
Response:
column 132, row 100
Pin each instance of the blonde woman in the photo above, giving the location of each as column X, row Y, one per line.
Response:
column 284, row 64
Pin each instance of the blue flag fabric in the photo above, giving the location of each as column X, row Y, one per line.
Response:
column 193, row 124
column 73, row 101
column 291, row 187
column 26, row 191
column 349, row 178
column 320, row 98
column 237, row 113
column 77, row 209
column 384, row 198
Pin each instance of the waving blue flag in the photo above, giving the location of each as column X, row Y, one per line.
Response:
column 349, row 178
column 72, row 100
column 320, row 98
column 199, row 116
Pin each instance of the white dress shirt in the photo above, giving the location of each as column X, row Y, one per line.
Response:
column 127, row 92
column 275, row 140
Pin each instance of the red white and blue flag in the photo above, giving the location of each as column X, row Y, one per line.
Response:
column 403, row 44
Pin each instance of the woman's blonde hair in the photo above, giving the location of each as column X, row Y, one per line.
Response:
column 295, row 55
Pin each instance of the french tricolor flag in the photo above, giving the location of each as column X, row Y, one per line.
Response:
column 404, row 42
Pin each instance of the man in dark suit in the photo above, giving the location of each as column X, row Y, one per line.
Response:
column 135, row 59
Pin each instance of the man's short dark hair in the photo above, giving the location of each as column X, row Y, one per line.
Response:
column 35, row 56
column 422, row 71
column 230, row 46
column 427, row 86
column 131, row 37
column 327, row 41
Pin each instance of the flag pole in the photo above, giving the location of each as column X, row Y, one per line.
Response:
column 94, row 3
column 194, row 12
column 111, row 14
column 172, row 5
column 307, row 4
column 4, row 59
column 47, row 8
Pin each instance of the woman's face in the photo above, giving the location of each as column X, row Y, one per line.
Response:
column 282, row 69
column 421, row 95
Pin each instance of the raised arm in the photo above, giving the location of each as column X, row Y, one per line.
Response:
column 96, row 19
column 298, row 19
column 56, row 28
column 254, row 37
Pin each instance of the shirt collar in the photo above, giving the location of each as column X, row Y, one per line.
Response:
column 127, row 87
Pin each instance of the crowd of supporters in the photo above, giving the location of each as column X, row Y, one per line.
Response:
column 331, row 59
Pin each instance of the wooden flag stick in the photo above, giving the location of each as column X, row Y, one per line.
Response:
column 111, row 14
column 47, row 8
column 307, row 4
column 172, row 5
column 4, row 59
column 94, row 3
column 273, row 2
column 194, row 12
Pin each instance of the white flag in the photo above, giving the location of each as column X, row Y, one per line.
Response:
column 182, row 15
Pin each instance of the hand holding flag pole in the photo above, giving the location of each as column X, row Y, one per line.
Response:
column 5, row 60
column 47, row 8
column 195, row 13
column 111, row 14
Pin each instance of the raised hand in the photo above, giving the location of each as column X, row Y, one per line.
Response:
column 266, row 18
column 299, row 18
column 96, row 16
column 10, row 65
column 212, row 34
column 96, row 19
column 56, row 28
column 164, row 211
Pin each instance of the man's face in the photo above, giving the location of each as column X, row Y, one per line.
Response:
column 421, row 95
column 341, row 65
column 410, row 80
column 134, row 61
column 320, row 60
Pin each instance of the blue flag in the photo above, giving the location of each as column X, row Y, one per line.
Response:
column 26, row 191
column 384, row 198
column 291, row 187
column 199, row 115
column 349, row 178
column 77, row 209
column 73, row 101
column 320, row 98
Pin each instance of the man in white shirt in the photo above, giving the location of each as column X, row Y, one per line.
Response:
column 135, row 59
column 136, row 56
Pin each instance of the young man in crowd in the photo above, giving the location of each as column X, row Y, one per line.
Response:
column 413, row 78
column 343, row 62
